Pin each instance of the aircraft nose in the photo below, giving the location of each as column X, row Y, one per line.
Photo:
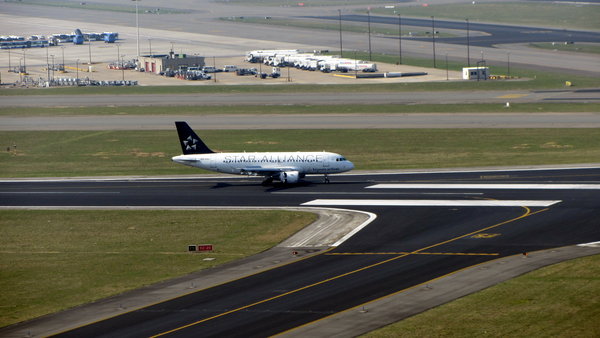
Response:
column 350, row 165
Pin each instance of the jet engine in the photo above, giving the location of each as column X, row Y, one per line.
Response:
column 289, row 176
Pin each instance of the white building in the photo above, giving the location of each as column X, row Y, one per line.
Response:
column 476, row 73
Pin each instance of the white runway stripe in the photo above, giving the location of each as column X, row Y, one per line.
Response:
column 433, row 203
column 486, row 186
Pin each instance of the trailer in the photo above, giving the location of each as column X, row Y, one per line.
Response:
column 255, row 56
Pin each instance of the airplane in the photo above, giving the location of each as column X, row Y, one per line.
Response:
column 286, row 167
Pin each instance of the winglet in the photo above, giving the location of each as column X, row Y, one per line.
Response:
column 190, row 142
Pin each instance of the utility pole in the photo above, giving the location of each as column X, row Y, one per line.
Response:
column 468, row 55
column 433, row 38
column 52, row 55
column 369, row 26
column 400, row 38
column 90, row 51
column 118, row 53
column 47, row 66
column 137, row 26
column 508, row 63
column 446, row 66
column 341, row 49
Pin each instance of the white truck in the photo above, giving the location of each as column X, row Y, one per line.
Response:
column 259, row 55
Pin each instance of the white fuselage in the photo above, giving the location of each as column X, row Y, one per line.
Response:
column 268, row 162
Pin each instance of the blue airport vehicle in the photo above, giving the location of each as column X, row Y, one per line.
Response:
column 110, row 37
column 78, row 37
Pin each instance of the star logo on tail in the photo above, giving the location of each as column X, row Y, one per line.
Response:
column 190, row 143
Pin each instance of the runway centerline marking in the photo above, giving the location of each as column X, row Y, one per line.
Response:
column 526, row 214
column 56, row 192
column 434, row 203
column 508, row 186
column 374, row 193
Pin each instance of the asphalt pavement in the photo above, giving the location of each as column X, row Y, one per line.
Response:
column 495, row 34
column 446, row 228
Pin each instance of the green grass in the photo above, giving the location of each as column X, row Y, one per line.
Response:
column 574, row 47
column 85, row 153
column 97, row 6
column 53, row 260
column 556, row 301
column 306, row 3
column 307, row 109
column 559, row 15
column 384, row 30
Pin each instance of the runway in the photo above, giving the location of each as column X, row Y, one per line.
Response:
column 446, row 228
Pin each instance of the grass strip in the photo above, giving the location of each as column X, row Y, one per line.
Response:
column 560, row 300
column 537, row 14
column 304, row 3
column 91, row 153
column 570, row 47
column 97, row 6
column 54, row 260
column 307, row 109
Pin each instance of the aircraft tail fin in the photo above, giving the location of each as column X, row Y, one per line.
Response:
column 190, row 142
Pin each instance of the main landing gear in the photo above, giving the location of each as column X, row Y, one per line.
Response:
column 267, row 181
column 326, row 178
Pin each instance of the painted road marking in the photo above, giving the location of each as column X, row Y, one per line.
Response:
column 410, row 253
column 482, row 235
column 524, row 215
column 486, row 186
column 434, row 203
column 591, row 244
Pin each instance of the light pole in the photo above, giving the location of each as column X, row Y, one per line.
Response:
column 508, row 63
column 122, row 68
column 400, row 38
column 9, row 59
column 63, row 58
column 433, row 38
column 150, row 46
column 369, row 26
column 52, row 55
column 90, row 51
column 341, row 49
column 24, row 63
column 468, row 55
column 446, row 66
column 137, row 26
column 77, row 70
column 118, row 53
column 47, row 66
